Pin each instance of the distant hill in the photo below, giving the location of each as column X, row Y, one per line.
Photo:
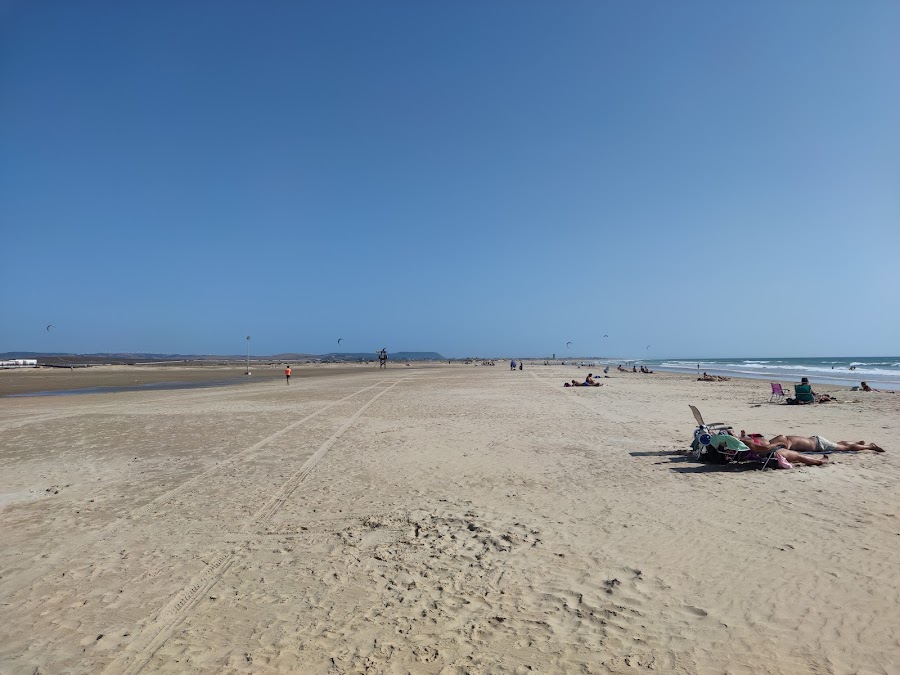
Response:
column 360, row 356
column 416, row 356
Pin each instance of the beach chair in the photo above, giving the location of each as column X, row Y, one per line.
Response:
column 704, row 432
column 777, row 392
column 714, row 427
column 803, row 393
column 724, row 446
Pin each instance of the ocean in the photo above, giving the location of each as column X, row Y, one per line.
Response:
column 880, row 372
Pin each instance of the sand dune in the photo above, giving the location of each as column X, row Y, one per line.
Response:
column 452, row 519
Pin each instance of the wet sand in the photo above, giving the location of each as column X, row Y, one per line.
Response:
column 20, row 381
column 454, row 519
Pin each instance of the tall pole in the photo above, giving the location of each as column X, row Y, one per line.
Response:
column 248, row 355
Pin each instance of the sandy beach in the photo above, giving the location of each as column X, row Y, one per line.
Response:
column 441, row 519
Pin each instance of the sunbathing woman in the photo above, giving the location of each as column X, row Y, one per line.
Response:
column 783, row 454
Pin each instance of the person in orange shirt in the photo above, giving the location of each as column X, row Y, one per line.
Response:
column 287, row 374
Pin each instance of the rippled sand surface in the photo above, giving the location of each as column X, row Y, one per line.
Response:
column 453, row 519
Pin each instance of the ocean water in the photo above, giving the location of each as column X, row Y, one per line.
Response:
column 880, row 372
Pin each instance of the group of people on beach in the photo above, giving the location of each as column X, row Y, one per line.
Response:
column 588, row 382
column 634, row 369
column 785, row 450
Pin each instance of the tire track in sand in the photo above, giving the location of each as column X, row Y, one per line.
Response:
column 287, row 489
column 160, row 628
column 163, row 498
column 37, row 570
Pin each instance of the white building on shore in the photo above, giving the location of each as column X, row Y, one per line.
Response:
column 19, row 363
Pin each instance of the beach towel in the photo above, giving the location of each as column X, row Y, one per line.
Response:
column 730, row 442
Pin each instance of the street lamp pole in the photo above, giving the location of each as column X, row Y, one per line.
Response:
column 248, row 355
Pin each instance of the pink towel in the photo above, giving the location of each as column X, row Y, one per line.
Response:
column 783, row 463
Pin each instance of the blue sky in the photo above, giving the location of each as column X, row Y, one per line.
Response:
column 711, row 179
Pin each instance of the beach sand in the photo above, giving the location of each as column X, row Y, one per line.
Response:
column 444, row 519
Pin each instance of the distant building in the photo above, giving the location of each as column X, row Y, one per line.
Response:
column 19, row 363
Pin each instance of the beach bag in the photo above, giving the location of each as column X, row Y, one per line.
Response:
column 713, row 456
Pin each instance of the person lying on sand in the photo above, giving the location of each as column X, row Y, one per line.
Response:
column 812, row 444
column 785, row 457
column 589, row 382
column 865, row 387
column 820, row 444
column 712, row 378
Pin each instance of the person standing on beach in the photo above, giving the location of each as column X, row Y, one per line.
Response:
column 382, row 358
column 287, row 375
column 512, row 364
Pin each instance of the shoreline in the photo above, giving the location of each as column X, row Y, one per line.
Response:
column 791, row 379
column 109, row 379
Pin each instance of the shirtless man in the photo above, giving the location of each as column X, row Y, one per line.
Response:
column 819, row 444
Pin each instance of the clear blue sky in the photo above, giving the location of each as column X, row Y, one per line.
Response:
column 491, row 178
